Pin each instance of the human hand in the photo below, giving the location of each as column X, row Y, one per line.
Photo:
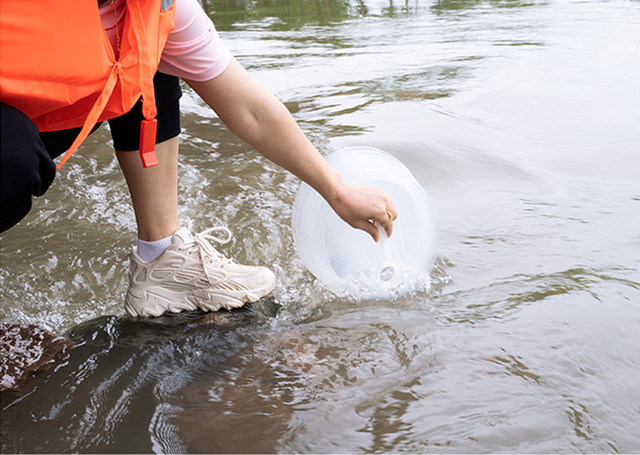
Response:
column 363, row 207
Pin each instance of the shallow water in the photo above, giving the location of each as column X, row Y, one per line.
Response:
column 522, row 122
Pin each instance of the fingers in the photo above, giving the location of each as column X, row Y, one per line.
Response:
column 384, row 216
column 391, row 214
column 366, row 208
column 388, row 228
column 369, row 227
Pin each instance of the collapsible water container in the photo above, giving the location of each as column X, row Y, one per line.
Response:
column 348, row 260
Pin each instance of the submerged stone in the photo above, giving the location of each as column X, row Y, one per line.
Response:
column 24, row 350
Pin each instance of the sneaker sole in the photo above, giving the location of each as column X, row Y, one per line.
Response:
column 153, row 302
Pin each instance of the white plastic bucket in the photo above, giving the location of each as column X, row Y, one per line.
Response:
column 348, row 260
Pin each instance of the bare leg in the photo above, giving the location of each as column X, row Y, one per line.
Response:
column 154, row 191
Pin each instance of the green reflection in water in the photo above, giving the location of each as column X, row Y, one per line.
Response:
column 454, row 5
column 284, row 14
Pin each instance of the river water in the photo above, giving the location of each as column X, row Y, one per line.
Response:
column 521, row 119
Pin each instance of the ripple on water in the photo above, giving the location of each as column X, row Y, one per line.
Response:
column 527, row 340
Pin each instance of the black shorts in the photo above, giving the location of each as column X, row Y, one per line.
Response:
column 27, row 167
column 125, row 129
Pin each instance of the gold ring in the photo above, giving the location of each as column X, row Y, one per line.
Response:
column 390, row 219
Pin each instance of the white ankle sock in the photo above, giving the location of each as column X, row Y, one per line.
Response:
column 150, row 251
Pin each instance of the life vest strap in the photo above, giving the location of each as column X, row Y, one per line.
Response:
column 94, row 114
column 142, row 38
column 149, row 125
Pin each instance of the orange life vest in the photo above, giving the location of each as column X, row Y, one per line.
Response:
column 58, row 67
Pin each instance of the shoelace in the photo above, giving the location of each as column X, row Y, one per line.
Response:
column 206, row 250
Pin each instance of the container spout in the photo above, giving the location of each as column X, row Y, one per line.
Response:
column 388, row 269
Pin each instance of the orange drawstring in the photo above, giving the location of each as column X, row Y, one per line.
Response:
column 94, row 113
column 148, row 127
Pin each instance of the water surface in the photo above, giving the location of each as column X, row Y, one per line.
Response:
column 522, row 122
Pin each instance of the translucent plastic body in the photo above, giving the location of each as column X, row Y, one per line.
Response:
column 347, row 259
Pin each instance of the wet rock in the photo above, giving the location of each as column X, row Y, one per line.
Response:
column 164, row 385
column 24, row 350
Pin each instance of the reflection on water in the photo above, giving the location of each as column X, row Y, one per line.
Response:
column 522, row 122
column 283, row 14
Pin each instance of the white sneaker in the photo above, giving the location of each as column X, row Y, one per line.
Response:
column 191, row 274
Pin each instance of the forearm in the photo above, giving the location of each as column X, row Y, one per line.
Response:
column 261, row 120
column 273, row 132
column 257, row 117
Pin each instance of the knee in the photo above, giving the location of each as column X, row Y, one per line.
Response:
column 27, row 170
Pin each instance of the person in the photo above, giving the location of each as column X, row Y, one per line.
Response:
column 171, row 268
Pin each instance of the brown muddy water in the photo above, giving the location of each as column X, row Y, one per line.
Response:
column 522, row 121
